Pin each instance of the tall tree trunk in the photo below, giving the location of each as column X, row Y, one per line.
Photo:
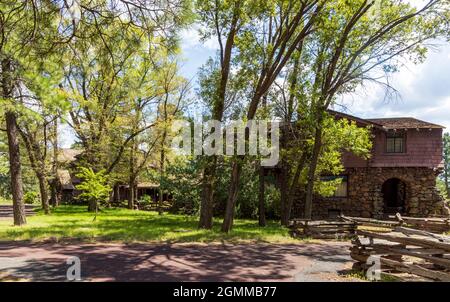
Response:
column 286, row 215
column 261, row 198
column 209, row 173
column 284, row 169
column 13, row 146
column 92, row 206
column 133, row 175
column 161, row 165
column 312, row 170
column 54, row 193
column 44, row 192
column 37, row 161
column 232, row 196
column 207, row 196
column 132, row 193
column 284, row 179
column 56, row 197
column 116, row 196
column 15, row 169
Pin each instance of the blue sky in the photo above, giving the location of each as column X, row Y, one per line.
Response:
column 423, row 91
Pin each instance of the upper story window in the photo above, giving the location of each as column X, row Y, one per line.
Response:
column 395, row 142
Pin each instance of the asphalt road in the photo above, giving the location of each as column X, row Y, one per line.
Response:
column 176, row 262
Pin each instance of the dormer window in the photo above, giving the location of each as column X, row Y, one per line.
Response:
column 395, row 142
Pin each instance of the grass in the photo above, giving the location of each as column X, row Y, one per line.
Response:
column 117, row 224
column 4, row 201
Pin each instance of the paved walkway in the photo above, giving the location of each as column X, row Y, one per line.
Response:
column 176, row 262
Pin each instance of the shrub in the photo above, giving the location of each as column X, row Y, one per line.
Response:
column 31, row 197
column 94, row 187
column 145, row 200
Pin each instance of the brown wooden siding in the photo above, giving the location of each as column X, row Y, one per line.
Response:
column 423, row 149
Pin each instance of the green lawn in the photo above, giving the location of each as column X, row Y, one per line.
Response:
column 126, row 225
column 4, row 201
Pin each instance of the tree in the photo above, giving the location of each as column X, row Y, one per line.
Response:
column 353, row 45
column 26, row 28
column 166, row 105
column 266, row 47
column 40, row 102
column 55, row 196
column 94, row 187
column 222, row 19
column 172, row 101
column 41, row 28
column 110, row 66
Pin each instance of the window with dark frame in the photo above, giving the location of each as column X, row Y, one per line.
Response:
column 395, row 142
column 342, row 188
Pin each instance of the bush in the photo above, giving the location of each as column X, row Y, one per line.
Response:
column 441, row 188
column 145, row 200
column 183, row 180
column 273, row 201
column 94, row 187
column 31, row 197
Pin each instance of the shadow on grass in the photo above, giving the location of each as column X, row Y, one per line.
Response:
column 126, row 225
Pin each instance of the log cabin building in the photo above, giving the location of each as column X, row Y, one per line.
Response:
column 67, row 181
column 400, row 175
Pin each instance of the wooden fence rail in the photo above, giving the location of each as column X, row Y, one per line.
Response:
column 433, row 225
column 405, row 250
column 322, row 229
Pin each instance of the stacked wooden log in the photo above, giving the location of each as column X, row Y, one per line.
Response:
column 404, row 250
column 434, row 225
column 322, row 229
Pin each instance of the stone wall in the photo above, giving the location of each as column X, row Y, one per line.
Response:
column 365, row 198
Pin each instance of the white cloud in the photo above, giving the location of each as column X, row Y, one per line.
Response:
column 423, row 92
column 190, row 39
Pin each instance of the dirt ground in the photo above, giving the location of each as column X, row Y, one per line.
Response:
column 324, row 261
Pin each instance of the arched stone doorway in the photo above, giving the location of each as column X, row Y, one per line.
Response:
column 394, row 196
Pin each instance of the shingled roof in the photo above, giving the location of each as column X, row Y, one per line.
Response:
column 404, row 123
column 68, row 155
column 65, row 179
column 358, row 120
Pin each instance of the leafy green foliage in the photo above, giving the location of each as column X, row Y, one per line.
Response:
column 31, row 197
column 5, row 180
column 444, row 185
column 94, row 186
column 340, row 136
column 182, row 180
column 440, row 184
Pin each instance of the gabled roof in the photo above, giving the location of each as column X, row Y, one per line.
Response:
column 68, row 155
column 389, row 123
column 404, row 123
column 358, row 120
column 65, row 179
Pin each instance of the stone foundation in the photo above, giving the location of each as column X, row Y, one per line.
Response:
column 365, row 198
